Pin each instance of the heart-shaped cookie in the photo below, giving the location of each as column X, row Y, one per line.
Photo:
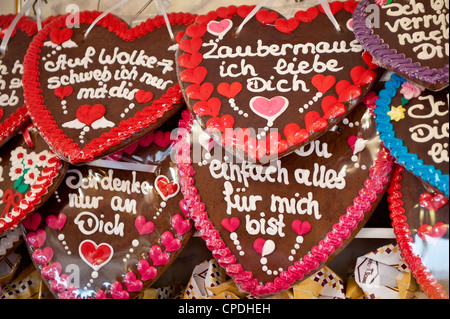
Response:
column 267, row 91
column 407, row 37
column 420, row 219
column 91, row 97
column 413, row 124
column 29, row 173
column 13, row 112
column 271, row 225
column 108, row 232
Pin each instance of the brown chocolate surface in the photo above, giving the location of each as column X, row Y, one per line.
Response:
column 424, row 129
column 314, row 185
column 287, row 72
column 102, row 205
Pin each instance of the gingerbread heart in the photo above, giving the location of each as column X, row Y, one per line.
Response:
column 421, row 231
column 91, row 97
column 272, row 75
column 109, row 228
column 407, row 37
column 13, row 112
column 271, row 225
column 29, row 173
column 413, row 124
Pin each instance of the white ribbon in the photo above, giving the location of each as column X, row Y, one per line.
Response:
column 101, row 16
column 327, row 9
column 161, row 9
column 251, row 14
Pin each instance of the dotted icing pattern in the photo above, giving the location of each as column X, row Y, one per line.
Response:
column 410, row 161
column 379, row 176
column 402, row 231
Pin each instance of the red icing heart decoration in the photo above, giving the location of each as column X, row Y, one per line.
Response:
column 265, row 223
column 281, row 76
column 420, row 219
column 90, row 97
column 95, row 255
column 433, row 202
column 119, row 223
column 29, row 174
column 13, row 111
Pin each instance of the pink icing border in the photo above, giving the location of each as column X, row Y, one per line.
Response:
column 374, row 186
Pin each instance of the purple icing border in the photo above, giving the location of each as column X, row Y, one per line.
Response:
column 390, row 57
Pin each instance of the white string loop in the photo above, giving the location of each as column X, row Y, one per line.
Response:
column 251, row 14
column 103, row 14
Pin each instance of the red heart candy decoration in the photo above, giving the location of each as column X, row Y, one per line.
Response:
column 196, row 30
column 51, row 271
column 192, row 45
column 143, row 96
column 426, row 231
column 335, row 7
column 361, row 76
column 162, row 139
column 60, row 283
column 200, row 92
column 146, row 271
column 170, row 242
column 36, row 239
column 332, row 108
column 220, row 123
column 266, row 17
column 295, row 134
column 190, row 60
column 323, row 83
column 195, row 75
column 275, row 143
column 166, row 188
column 210, row 107
column 95, row 255
column 158, row 257
column 63, row 91
column 143, row 226
column 255, row 148
column 231, row 224
column 32, row 222
column 301, row 228
column 88, row 114
column 43, row 256
column 226, row 12
column 56, row 222
column 369, row 60
column 433, row 202
column 117, row 291
column 59, row 36
column 181, row 225
column 258, row 245
column 347, row 91
column 287, row 26
column 308, row 15
column 133, row 284
column 229, row 90
column 314, row 122
column 244, row 10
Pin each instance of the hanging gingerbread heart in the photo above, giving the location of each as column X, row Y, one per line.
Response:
column 407, row 37
column 29, row 173
column 419, row 216
column 278, row 84
column 270, row 226
column 13, row 112
column 90, row 97
column 113, row 226
column 413, row 124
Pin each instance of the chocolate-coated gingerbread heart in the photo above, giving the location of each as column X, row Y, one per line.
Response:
column 13, row 112
column 29, row 173
column 419, row 216
column 413, row 123
column 90, row 97
column 271, row 225
column 407, row 37
column 278, row 84
column 108, row 232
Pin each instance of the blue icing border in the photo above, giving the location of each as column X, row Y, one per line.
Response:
column 387, row 135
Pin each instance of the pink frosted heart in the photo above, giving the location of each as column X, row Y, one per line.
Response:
column 300, row 228
column 36, row 239
column 219, row 27
column 180, row 224
column 146, row 271
column 143, row 227
column 56, row 222
column 269, row 109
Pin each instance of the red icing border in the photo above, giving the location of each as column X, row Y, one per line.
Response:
column 126, row 128
column 379, row 177
column 17, row 119
column 190, row 60
column 423, row 276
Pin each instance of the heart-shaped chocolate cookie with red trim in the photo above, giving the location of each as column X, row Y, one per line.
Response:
column 419, row 215
column 13, row 112
column 112, row 228
column 407, row 37
column 91, row 97
column 272, row 225
column 29, row 173
column 414, row 124
column 278, row 84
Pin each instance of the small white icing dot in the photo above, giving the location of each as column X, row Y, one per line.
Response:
column 208, row 156
column 128, row 256
column 291, row 258
column 69, row 253
column 299, row 239
column 296, row 246
column 131, row 106
column 345, row 121
column 356, row 165
column 350, row 124
column 264, row 268
column 300, row 110
column 163, row 204
column 126, row 110
column 131, row 250
column 94, row 274
column 61, row 236
column 274, row 273
column 238, row 247
column 293, row 251
column 363, row 167
column 263, row 260
column 135, row 243
column 262, row 214
column 356, row 123
column 243, row 189
column 63, row 102
column 86, row 128
column 269, row 272
column 233, row 236
column 241, row 253
column 354, row 158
